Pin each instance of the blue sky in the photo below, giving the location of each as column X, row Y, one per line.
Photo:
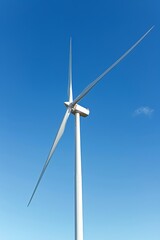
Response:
column 120, row 138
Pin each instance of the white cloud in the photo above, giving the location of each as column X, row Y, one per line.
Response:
column 147, row 111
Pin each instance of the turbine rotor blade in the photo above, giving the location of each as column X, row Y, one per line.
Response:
column 57, row 138
column 92, row 84
column 70, row 92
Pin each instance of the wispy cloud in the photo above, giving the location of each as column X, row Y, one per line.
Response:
column 147, row 111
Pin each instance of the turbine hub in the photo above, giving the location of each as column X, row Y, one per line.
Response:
column 84, row 112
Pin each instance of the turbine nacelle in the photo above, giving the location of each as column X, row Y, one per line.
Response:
column 84, row 112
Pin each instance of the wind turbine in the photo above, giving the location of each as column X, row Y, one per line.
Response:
column 78, row 111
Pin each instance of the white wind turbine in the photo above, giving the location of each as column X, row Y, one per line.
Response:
column 78, row 111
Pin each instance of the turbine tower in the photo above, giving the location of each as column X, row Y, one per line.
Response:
column 78, row 111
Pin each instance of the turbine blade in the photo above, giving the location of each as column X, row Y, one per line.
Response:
column 92, row 84
column 57, row 138
column 70, row 93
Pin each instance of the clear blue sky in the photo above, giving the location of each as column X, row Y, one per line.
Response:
column 120, row 138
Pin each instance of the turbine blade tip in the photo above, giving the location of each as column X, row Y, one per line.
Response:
column 152, row 27
column 29, row 202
